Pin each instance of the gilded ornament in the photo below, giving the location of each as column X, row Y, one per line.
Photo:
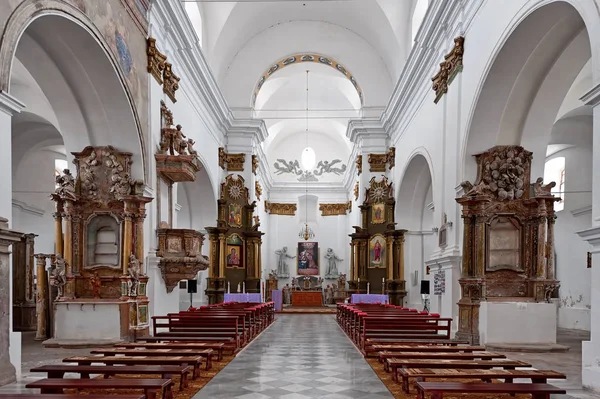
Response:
column 280, row 209
column 231, row 162
column 254, row 164
column 335, row 209
column 257, row 190
column 356, row 190
column 359, row 164
column 452, row 64
column 391, row 157
column 377, row 162
column 170, row 82
column 156, row 60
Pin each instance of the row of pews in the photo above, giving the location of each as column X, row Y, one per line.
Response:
column 414, row 345
column 181, row 343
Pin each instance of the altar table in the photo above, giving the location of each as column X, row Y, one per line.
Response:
column 369, row 298
column 252, row 298
column 277, row 298
column 307, row 298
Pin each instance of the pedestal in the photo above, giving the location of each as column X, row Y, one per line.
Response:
column 215, row 290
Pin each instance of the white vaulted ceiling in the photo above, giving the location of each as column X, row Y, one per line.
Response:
column 370, row 39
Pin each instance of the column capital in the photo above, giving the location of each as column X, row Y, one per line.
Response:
column 592, row 97
column 9, row 104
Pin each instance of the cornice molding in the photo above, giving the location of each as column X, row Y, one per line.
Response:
column 9, row 104
column 586, row 210
column 592, row 97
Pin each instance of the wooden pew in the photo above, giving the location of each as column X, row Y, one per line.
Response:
column 218, row 346
column 404, row 327
column 394, row 364
column 536, row 376
column 166, row 372
column 437, row 389
column 61, row 396
column 440, row 355
column 150, row 386
column 369, row 349
column 194, row 361
column 205, row 353
column 209, row 328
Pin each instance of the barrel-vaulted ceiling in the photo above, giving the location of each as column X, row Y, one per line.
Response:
column 259, row 52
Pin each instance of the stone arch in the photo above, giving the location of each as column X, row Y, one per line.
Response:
column 105, row 85
column 526, row 79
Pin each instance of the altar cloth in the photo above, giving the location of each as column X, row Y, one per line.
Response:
column 252, row 298
column 369, row 298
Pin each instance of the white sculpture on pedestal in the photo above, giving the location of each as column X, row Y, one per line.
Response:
column 332, row 260
column 283, row 270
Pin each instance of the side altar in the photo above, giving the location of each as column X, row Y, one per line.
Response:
column 97, row 271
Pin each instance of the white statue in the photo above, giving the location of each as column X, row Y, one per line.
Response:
column 282, row 267
column 332, row 260
column 58, row 276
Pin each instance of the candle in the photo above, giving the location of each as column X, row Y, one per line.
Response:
column 368, row 288
column 228, row 287
column 244, row 285
column 359, row 280
column 239, row 290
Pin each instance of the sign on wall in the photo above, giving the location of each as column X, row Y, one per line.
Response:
column 439, row 282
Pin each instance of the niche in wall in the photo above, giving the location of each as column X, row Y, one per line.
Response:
column 103, row 239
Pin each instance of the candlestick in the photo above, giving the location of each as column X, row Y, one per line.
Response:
column 239, row 289
column 229, row 287
column 244, row 285
column 368, row 288
column 359, row 280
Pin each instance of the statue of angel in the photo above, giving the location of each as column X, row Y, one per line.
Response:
column 332, row 260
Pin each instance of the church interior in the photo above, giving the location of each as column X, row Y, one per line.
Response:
column 300, row 199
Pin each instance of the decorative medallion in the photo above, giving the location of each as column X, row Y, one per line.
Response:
column 170, row 82
column 234, row 188
column 379, row 191
column 451, row 65
column 156, row 60
column 335, row 209
column 235, row 191
column 280, row 209
column 299, row 58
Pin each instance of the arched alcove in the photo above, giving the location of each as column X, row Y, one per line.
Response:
column 414, row 212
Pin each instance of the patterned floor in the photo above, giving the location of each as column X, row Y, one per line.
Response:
column 300, row 356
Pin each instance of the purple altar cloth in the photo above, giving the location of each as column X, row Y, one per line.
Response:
column 245, row 298
column 277, row 297
column 369, row 298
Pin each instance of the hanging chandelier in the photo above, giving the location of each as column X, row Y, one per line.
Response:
column 306, row 232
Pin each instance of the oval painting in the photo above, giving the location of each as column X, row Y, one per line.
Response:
column 124, row 54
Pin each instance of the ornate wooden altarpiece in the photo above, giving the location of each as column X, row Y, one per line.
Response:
column 377, row 248
column 179, row 250
column 508, row 237
column 23, row 272
column 99, row 227
column 235, row 244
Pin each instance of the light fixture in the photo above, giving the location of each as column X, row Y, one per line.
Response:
column 306, row 232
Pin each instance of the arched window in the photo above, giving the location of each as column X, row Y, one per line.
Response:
column 555, row 171
column 418, row 15
column 194, row 13
column 59, row 166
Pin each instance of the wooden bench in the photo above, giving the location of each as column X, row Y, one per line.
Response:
column 536, row 376
column 209, row 328
column 387, row 341
column 218, row 346
column 166, row 372
column 229, row 344
column 150, row 386
column 403, row 327
column 369, row 350
column 205, row 353
column 394, row 364
column 194, row 361
column 60, row 396
column 437, row 389
column 440, row 355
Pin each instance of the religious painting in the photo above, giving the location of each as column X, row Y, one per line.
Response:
column 308, row 259
column 235, row 215
column 142, row 314
column 378, row 213
column 234, row 251
column 377, row 251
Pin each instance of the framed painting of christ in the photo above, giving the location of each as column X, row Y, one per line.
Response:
column 377, row 251
column 308, row 259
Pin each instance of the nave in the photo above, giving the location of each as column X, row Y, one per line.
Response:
column 299, row 356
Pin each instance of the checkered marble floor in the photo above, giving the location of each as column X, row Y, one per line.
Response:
column 299, row 356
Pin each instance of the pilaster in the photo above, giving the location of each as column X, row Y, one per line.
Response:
column 590, row 360
column 9, row 106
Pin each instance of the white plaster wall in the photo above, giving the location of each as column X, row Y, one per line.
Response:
column 571, row 250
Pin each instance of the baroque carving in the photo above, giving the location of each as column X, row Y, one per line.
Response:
column 452, row 64
column 254, row 164
column 335, row 209
column 356, row 190
column 541, row 190
column 176, row 159
column 379, row 191
column 257, row 190
column 234, row 188
column 503, row 173
column 231, row 162
column 335, row 167
column 359, row 164
column 156, row 60
column 170, row 82
column 391, row 157
column 280, row 209
column 377, row 162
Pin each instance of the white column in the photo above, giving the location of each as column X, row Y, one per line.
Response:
column 590, row 367
column 10, row 360
column 8, row 107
